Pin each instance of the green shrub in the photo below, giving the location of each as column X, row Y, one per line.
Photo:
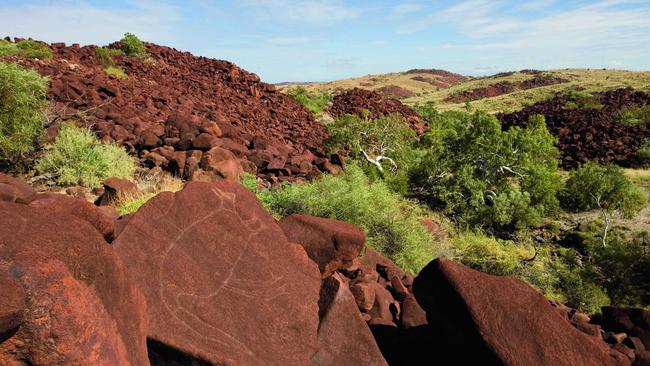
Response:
column 485, row 177
column 22, row 110
column 580, row 99
column 489, row 255
column 316, row 103
column 392, row 224
column 105, row 55
column 387, row 138
column 602, row 186
column 644, row 152
column 77, row 157
column 26, row 48
column 117, row 71
column 129, row 205
column 133, row 46
column 635, row 115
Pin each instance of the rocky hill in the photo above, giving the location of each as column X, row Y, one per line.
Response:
column 179, row 111
column 503, row 92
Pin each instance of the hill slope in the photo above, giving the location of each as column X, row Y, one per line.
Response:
column 505, row 92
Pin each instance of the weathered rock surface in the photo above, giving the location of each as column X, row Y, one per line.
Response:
column 116, row 188
column 14, row 189
column 503, row 320
column 12, row 304
column 331, row 244
column 81, row 307
column 343, row 336
column 221, row 280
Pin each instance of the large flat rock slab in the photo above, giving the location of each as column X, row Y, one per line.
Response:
column 221, row 280
column 78, row 306
column 502, row 320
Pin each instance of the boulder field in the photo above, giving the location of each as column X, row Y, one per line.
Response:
column 205, row 276
column 194, row 116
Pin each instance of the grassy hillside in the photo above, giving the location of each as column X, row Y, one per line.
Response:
column 420, row 86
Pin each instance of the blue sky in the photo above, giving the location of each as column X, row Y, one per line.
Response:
column 298, row 40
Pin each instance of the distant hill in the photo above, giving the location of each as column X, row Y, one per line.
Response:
column 503, row 92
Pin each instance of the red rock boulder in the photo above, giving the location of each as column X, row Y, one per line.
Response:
column 502, row 320
column 331, row 244
column 80, row 307
column 116, row 188
column 15, row 190
column 222, row 282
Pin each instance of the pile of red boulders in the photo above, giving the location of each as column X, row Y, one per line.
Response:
column 205, row 276
column 439, row 78
column 356, row 101
column 590, row 134
column 504, row 87
column 175, row 108
column 397, row 92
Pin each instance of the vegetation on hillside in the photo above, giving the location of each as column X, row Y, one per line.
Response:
column 316, row 103
column 77, row 157
column 132, row 46
column 22, row 111
column 25, row 48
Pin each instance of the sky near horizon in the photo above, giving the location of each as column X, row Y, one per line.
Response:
column 320, row 40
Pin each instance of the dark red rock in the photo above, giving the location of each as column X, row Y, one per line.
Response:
column 331, row 244
column 81, row 306
column 343, row 336
column 222, row 282
column 15, row 190
column 386, row 309
column 383, row 265
column 12, row 303
column 115, row 189
column 364, row 295
column 412, row 314
column 80, row 208
column 502, row 319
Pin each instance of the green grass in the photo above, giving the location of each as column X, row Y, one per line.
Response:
column 129, row 205
column 316, row 103
column 105, row 55
column 78, row 158
column 635, row 115
column 25, row 48
column 134, row 47
column 117, row 72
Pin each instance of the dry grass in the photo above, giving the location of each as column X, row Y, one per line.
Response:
column 150, row 185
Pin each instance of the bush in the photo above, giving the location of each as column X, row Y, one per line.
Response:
column 133, row 46
column 635, row 115
column 387, row 136
column 105, row 55
column 644, row 152
column 602, row 186
column 22, row 110
column 26, row 48
column 489, row 255
column 485, row 177
column 116, row 71
column 77, row 157
column 392, row 224
column 580, row 99
column 316, row 103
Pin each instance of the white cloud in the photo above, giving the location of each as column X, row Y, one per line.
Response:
column 536, row 4
column 315, row 12
column 79, row 22
column 378, row 42
column 407, row 8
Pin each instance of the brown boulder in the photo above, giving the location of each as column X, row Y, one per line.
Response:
column 103, row 221
column 15, row 190
column 331, row 244
column 223, row 162
column 81, row 307
column 222, row 282
column 116, row 188
column 501, row 319
column 343, row 336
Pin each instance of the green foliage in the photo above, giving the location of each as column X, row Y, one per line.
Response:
column 129, row 205
column 77, row 157
column 387, row 138
column 635, row 115
column 579, row 99
column 105, row 55
column 133, row 46
column 607, row 187
column 479, row 174
column 316, row 103
column 26, row 48
column 489, row 255
column 644, row 152
column 22, row 110
column 117, row 71
column 622, row 267
column 392, row 224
